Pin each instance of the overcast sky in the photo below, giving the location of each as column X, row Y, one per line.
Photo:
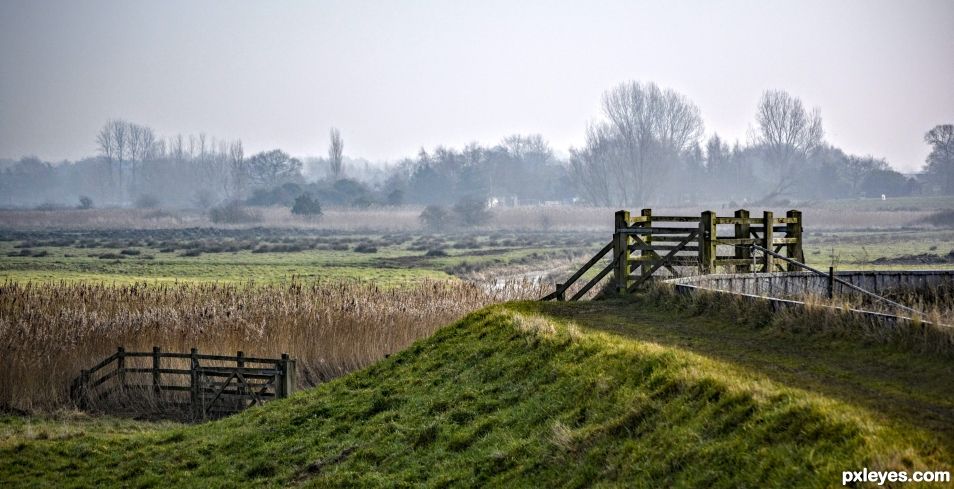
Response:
column 396, row 76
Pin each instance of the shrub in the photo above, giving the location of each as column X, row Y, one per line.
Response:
column 472, row 211
column 942, row 218
column 232, row 213
column 146, row 201
column 306, row 205
column 435, row 218
column 284, row 195
column 395, row 197
column 436, row 252
column 365, row 248
column 50, row 206
column 85, row 203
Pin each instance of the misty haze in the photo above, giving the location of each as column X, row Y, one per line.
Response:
column 426, row 243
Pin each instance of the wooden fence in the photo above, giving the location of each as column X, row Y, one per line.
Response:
column 647, row 243
column 191, row 384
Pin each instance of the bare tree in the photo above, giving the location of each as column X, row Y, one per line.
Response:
column 113, row 142
column 788, row 135
column 142, row 148
column 177, row 148
column 940, row 162
column 527, row 147
column 591, row 164
column 645, row 130
column 335, row 152
column 270, row 168
column 237, row 167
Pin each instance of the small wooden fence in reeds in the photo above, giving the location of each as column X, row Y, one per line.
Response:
column 648, row 243
column 182, row 385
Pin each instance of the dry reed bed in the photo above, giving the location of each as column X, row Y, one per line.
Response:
column 49, row 331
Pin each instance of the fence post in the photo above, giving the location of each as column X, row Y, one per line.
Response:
column 831, row 283
column 621, row 251
column 561, row 294
column 197, row 410
column 767, row 238
column 287, row 384
column 742, row 232
column 240, row 363
column 794, row 230
column 647, row 257
column 156, row 376
column 121, row 367
column 80, row 389
column 707, row 242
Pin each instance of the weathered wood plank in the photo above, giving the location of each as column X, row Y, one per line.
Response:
column 676, row 219
column 707, row 241
column 726, row 261
column 147, row 370
column 655, row 230
column 785, row 241
column 621, row 250
column 663, row 247
column 589, row 285
column 794, row 233
column 589, row 264
column 659, row 264
column 739, row 220
column 736, row 241
column 767, row 236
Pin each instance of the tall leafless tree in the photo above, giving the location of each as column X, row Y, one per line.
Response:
column 237, row 168
column 113, row 142
column 645, row 130
column 335, row 154
column 788, row 135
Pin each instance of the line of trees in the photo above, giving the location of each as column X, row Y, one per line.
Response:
column 647, row 147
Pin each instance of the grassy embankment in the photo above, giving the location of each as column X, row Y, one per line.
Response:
column 546, row 395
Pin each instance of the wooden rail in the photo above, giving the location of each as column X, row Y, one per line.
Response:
column 210, row 386
column 648, row 243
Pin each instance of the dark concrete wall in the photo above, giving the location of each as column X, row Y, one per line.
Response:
column 797, row 284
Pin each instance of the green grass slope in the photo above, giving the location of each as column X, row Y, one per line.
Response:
column 540, row 395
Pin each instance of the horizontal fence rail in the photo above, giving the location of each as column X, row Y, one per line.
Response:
column 646, row 244
column 191, row 385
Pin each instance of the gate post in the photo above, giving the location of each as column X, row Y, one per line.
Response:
column 794, row 230
column 707, row 242
column 197, row 410
column 647, row 257
column 121, row 368
column 767, row 240
column 156, row 377
column 287, row 385
column 742, row 232
column 621, row 251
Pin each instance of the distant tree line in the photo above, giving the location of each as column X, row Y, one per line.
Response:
column 646, row 148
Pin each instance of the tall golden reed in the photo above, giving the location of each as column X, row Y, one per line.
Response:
column 49, row 331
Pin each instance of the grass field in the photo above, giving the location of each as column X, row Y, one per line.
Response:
column 530, row 394
column 267, row 256
column 850, row 234
column 637, row 392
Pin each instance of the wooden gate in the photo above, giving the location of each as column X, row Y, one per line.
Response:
column 190, row 385
column 646, row 244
